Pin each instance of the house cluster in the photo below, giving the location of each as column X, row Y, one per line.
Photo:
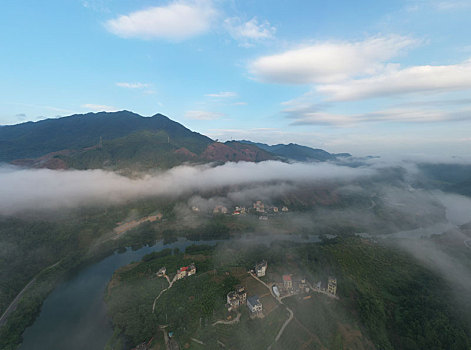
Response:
column 258, row 208
column 186, row 271
column 238, row 297
column 288, row 286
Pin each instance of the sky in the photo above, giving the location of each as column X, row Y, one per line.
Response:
column 365, row 77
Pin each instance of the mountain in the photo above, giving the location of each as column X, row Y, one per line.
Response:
column 297, row 152
column 35, row 139
column 117, row 140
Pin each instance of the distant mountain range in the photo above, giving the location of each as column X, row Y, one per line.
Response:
column 124, row 139
column 297, row 152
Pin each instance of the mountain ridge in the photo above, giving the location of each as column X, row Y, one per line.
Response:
column 124, row 139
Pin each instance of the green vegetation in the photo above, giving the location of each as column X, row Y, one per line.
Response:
column 387, row 300
column 189, row 303
column 401, row 304
column 31, row 140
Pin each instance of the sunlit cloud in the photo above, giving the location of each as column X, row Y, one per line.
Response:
column 327, row 62
column 178, row 20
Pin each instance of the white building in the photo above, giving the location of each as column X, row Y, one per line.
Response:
column 261, row 268
column 254, row 305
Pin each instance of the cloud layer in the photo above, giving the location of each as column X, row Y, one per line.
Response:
column 30, row 189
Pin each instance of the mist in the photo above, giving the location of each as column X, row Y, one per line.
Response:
column 33, row 189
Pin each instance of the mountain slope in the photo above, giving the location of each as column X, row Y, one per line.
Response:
column 297, row 152
column 35, row 139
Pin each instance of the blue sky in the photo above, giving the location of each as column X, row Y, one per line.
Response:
column 366, row 77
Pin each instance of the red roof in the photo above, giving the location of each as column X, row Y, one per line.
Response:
column 286, row 278
column 184, row 268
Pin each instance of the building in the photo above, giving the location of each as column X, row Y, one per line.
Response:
column 263, row 218
column 254, row 305
column 284, row 209
column 195, row 209
column 191, row 269
column 186, row 271
column 220, row 210
column 181, row 272
column 259, row 206
column 236, row 298
column 261, row 268
column 276, row 291
column 287, row 282
column 162, row 271
column 275, row 209
column 332, row 286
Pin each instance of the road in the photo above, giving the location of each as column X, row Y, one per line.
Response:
column 291, row 314
column 14, row 303
column 284, row 324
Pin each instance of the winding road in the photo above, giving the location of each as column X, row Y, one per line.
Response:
column 170, row 284
column 14, row 303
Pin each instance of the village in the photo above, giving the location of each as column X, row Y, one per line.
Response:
column 258, row 208
column 259, row 297
column 279, row 289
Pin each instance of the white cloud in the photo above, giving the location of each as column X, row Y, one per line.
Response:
column 303, row 116
column 223, row 94
column 133, row 85
column 99, row 108
column 402, row 81
column 176, row 21
column 22, row 189
column 249, row 32
column 452, row 5
column 329, row 61
column 203, row 115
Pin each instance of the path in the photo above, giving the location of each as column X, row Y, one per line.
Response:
column 162, row 328
column 14, row 303
column 170, row 284
column 235, row 320
column 285, row 324
column 291, row 314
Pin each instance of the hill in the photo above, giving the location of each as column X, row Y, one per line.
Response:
column 79, row 131
column 115, row 140
column 297, row 152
